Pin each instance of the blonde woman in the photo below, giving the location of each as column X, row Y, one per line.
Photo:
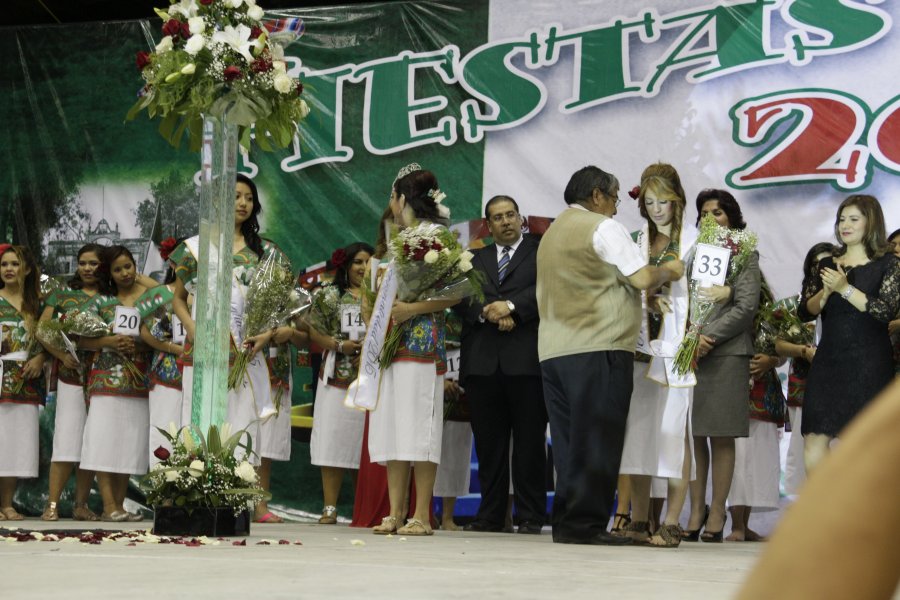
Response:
column 658, row 431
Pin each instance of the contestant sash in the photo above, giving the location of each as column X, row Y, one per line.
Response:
column 363, row 392
column 662, row 349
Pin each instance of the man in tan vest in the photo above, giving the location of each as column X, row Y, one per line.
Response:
column 589, row 272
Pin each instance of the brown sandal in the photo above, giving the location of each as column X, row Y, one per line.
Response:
column 10, row 514
column 388, row 526
column 81, row 512
column 638, row 531
column 415, row 527
column 671, row 535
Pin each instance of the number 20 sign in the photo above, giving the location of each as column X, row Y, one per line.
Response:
column 710, row 264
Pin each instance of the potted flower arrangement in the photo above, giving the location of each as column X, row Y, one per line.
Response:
column 200, row 487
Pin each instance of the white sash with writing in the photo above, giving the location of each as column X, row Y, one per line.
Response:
column 363, row 392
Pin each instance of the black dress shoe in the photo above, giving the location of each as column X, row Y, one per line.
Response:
column 483, row 527
column 601, row 539
column 530, row 527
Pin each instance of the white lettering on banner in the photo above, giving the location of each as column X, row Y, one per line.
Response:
column 352, row 322
column 710, row 264
column 127, row 321
column 178, row 333
column 363, row 392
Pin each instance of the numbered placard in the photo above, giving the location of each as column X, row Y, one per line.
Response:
column 127, row 321
column 178, row 333
column 710, row 264
column 452, row 364
column 352, row 322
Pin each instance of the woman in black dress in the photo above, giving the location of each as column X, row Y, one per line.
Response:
column 857, row 294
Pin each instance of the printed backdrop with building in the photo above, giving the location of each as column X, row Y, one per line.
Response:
column 790, row 104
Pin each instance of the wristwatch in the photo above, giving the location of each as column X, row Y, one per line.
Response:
column 511, row 306
column 848, row 292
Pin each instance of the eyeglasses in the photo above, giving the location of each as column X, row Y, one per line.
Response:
column 615, row 198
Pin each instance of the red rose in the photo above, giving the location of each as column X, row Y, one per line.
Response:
column 255, row 32
column 162, row 453
column 299, row 88
column 338, row 258
column 635, row 192
column 172, row 27
column 231, row 73
column 206, row 2
column 166, row 246
column 436, row 246
column 406, row 249
column 142, row 59
column 261, row 65
column 185, row 30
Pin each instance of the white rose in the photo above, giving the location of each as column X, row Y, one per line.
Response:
column 280, row 66
column 304, row 108
column 246, row 472
column 255, row 13
column 196, row 468
column 283, row 83
column 234, row 3
column 189, row 69
column 466, row 256
column 465, row 266
column 431, row 256
column 164, row 45
column 194, row 44
column 171, row 475
column 445, row 251
column 197, row 25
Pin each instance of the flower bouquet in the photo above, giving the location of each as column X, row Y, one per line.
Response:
column 741, row 243
column 216, row 57
column 201, row 473
column 56, row 332
column 430, row 265
column 781, row 318
column 272, row 300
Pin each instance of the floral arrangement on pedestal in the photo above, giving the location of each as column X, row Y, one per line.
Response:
column 202, row 471
column 217, row 58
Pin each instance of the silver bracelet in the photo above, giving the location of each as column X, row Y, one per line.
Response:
column 848, row 292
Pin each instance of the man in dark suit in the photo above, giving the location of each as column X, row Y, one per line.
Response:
column 501, row 374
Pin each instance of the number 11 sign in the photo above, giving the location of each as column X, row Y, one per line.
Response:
column 710, row 264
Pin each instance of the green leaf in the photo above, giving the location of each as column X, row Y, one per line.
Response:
column 180, row 501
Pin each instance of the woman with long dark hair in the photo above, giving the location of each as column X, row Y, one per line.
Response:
column 857, row 293
column 336, row 325
column 719, row 411
column 22, row 386
column 71, row 409
column 250, row 404
column 118, row 424
column 405, row 429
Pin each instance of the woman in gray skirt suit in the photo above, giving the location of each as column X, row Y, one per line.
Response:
column 723, row 374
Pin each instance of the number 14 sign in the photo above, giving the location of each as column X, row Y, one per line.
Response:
column 710, row 264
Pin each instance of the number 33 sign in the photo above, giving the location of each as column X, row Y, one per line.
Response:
column 710, row 264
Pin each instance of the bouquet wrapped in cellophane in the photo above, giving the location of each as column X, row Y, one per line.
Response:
column 781, row 321
column 430, row 265
column 272, row 300
column 56, row 332
column 742, row 244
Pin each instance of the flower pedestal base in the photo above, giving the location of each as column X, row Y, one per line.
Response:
column 172, row 520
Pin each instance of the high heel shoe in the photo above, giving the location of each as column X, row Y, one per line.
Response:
column 50, row 512
column 620, row 522
column 712, row 537
column 693, row 535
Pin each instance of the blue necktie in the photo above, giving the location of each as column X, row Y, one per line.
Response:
column 503, row 264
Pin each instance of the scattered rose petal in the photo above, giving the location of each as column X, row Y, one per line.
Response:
column 240, row 543
column 283, row 543
column 357, row 543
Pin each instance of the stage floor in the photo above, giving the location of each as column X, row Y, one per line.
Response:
column 341, row 562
